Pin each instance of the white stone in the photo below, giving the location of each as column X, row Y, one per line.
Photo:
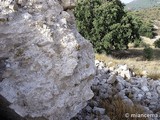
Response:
column 96, row 62
column 88, row 108
column 144, row 73
column 22, row 2
column 104, row 95
column 103, row 81
column 51, row 78
column 111, row 79
column 101, row 65
column 128, row 74
column 95, row 81
column 105, row 85
column 154, row 95
column 158, row 89
column 119, row 86
column 98, row 110
column 148, row 95
column 133, row 74
column 140, row 96
column 145, row 88
column 27, row 16
column 121, row 94
column 135, row 89
column 123, row 67
column 128, row 85
column 105, row 118
column 124, row 71
column 128, row 102
column 88, row 117
column 121, row 79
column 146, row 110
column 111, row 68
column 95, row 118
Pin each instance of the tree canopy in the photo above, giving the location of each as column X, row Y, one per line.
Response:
column 106, row 24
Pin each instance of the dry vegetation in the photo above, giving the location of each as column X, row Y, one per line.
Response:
column 135, row 61
column 117, row 110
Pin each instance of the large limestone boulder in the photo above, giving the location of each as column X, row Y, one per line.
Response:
column 46, row 66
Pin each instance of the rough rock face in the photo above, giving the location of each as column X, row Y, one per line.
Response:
column 46, row 66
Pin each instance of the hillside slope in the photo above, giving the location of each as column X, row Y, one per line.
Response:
column 141, row 4
column 149, row 14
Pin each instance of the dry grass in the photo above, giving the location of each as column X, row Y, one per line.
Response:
column 145, row 41
column 154, row 75
column 148, row 41
column 134, row 59
column 116, row 110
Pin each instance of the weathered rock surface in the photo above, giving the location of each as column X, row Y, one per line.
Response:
column 46, row 66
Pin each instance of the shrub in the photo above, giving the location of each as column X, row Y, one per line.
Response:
column 148, row 53
column 157, row 43
column 146, row 29
column 139, row 43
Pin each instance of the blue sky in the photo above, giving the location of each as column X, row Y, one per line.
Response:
column 126, row 1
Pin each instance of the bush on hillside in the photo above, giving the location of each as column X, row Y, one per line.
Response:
column 157, row 43
column 140, row 43
column 148, row 53
column 146, row 29
column 106, row 24
column 137, row 43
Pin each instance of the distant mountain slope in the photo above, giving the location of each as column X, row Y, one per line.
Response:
column 149, row 14
column 141, row 4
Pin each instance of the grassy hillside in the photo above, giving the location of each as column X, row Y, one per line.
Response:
column 142, row 4
column 148, row 14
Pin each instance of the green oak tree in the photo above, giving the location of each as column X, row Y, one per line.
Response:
column 106, row 24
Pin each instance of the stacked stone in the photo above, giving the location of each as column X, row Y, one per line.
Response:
column 121, row 83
